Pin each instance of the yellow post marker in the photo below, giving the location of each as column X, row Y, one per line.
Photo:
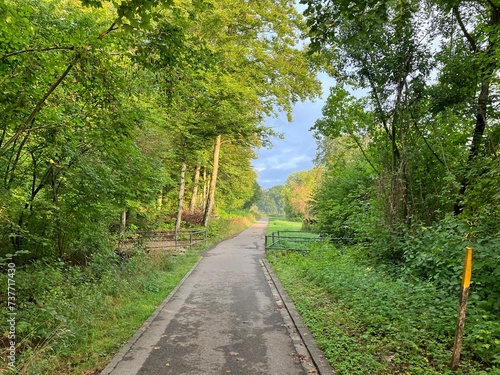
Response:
column 462, row 307
column 467, row 268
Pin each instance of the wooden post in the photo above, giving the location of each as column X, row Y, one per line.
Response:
column 462, row 307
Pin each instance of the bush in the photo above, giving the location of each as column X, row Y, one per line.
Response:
column 397, row 320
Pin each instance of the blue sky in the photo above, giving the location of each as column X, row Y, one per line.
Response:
column 297, row 150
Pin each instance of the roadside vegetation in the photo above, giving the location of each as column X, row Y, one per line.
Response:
column 72, row 319
column 371, row 318
column 118, row 118
column 407, row 167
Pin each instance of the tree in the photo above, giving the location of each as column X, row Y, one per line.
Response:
column 105, row 110
column 429, row 125
column 341, row 201
column 271, row 201
column 297, row 193
column 387, row 48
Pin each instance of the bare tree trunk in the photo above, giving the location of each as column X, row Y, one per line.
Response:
column 213, row 182
column 123, row 222
column 205, row 187
column 181, row 197
column 159, row 201
column 55, row 199
column 194, row 197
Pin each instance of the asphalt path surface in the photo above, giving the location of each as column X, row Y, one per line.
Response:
column 222, row 319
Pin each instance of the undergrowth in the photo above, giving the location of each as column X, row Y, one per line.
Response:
column 369, row 321
column 72, row 319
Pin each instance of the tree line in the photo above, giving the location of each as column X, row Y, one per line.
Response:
column 119, row 115
column 408, row 141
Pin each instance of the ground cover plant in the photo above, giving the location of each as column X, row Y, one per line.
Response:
column 72, row 319
column 374, row 320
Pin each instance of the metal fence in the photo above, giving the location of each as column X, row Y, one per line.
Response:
column 170, row 241
column 298, row 240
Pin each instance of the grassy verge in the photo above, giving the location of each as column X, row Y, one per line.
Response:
column 72, row 319
column 277, row 223
column 368, row 322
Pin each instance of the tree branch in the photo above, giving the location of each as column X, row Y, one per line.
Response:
column 106, row 32
column 469, row 38
column 10, row 54
column 37, row 108
column 363, row 151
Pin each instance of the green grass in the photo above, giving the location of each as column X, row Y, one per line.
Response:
column 77, row 318
column 290, row 241
column 279, row 223
column 368, row 322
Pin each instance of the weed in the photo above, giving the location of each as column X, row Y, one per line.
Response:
column 374, row 321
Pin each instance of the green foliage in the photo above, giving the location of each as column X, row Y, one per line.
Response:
column 341, row 203
column 297, row 193
column 101, row 102
column 66, row 314
column 368, row 321
column 271, row 201
column 423, row 182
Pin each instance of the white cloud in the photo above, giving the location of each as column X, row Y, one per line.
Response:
column 298, row 150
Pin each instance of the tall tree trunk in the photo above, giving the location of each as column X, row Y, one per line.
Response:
column 213, row 182
column 123, row 221
column 205, row 187
column 485, row 75
column 194, row 197
column 159, row 201
column 181, row 197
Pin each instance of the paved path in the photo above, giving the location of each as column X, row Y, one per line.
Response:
column 222, row 319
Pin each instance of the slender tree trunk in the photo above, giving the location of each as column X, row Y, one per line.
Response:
column 205, row 187
column 486, row 74
column 159, row 201
column 213, row 182
column 55, row 199
column 477, row 140
column 181, row 197
column 194, row 197
column 123, row 222
column 397, row 191
column 482, row 102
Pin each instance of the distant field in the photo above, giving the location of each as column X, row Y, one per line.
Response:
column 277, row 223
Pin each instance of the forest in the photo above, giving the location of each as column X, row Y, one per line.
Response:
column 407, row 159
column 119, row 116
